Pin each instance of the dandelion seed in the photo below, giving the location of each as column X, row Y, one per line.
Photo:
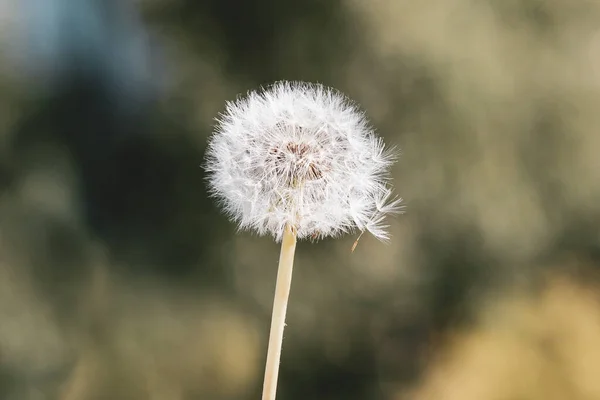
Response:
column 298, row 161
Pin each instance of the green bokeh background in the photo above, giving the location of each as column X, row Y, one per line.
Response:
column 120, row 279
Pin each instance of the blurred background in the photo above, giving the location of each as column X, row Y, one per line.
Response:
column 120, row 279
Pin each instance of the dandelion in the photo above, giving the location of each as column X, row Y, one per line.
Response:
column 298, row 161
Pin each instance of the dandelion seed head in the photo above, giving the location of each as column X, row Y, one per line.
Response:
column 303, row 155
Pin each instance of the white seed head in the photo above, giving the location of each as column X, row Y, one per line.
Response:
column 303, row 155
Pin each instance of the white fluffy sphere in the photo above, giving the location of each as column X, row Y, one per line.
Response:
column 303, row 155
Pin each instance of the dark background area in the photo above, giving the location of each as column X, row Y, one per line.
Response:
column 120, row 279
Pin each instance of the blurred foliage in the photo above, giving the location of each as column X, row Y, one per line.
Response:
column 120, row 279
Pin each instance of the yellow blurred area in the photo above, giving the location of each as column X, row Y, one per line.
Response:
column 542, row 346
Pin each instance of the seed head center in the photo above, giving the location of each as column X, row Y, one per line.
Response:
column 296, row 163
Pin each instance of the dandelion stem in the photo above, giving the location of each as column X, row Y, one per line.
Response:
column 282, row 292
